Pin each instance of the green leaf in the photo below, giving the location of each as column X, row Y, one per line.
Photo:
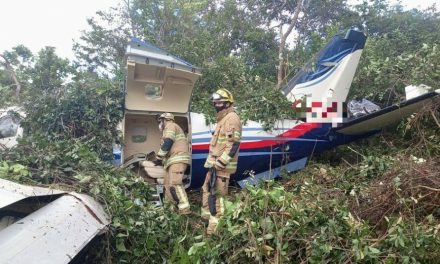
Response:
column 120, row 246
column 268, row 236
column 195, row 247
column 182, row 239
column 374, row 250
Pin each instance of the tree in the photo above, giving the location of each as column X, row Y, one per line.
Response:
column 49, row 73
column 282, row 46
column 9, row 68
column 14, row 61
column 101, row 49
column 392, row 58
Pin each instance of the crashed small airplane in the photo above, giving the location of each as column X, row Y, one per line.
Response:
column 41, row 225
column 158, row 82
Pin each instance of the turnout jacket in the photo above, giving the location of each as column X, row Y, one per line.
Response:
column 174, row 145
column 225, row 142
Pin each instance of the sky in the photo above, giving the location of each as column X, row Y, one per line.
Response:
column 40, row 23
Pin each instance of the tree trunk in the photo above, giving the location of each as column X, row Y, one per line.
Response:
column 282, row 46
column 9, row 68
column 131, row 18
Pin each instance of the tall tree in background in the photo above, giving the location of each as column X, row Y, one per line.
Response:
column 13, row 62
column 11, row 71
column 49, row 73
column 401, row 50
column 202, row 32
column 102, row 48
column 281, row 15
column 238, row 43
column 303, row 17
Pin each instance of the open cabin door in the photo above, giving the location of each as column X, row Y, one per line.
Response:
column 156, row 82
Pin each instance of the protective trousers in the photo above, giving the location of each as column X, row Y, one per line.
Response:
column 174, row 190
column 221, row 190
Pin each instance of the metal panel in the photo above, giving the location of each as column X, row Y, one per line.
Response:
column 174, row 88
column 11, row 192
column 55, row 233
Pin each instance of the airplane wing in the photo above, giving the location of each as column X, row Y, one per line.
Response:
column 385, row 116
column 42, row 225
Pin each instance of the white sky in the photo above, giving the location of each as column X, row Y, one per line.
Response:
column 40, row 23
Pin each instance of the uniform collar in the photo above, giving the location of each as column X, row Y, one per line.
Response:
column 219, row 116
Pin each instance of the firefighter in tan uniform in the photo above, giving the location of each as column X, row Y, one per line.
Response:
column 222, row 158
column 174, row 156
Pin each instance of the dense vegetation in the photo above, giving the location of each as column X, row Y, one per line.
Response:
column 360, row 203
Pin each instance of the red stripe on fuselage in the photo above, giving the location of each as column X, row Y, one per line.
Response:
column 295, row 132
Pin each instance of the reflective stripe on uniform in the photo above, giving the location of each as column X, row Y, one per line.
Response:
column 179, row 158
column 222, row 139
column 162, row 153
column 222, row 206
column 232, row 165
column 210, row 161
column 184, row 203
column 182, row 206
column 226, row 157
column 180, row 137
column 205, row 212
column 237, row 135
column 169, row 134
column 213, row 220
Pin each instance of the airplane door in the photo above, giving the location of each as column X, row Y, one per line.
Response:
column 157, row 81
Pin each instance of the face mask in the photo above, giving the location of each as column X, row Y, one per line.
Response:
column 161, row 125
column 219, row 107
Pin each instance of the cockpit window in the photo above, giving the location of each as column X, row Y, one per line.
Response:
column 153, row 91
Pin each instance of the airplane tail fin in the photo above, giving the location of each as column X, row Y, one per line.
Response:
column 325, row 81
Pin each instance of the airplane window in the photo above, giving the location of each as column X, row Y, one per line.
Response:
column 139, row 135
column 8, row 126
column 153, row 91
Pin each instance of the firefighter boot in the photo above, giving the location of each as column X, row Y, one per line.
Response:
column 212, row 226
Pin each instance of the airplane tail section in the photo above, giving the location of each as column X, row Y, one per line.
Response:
column 325, row 81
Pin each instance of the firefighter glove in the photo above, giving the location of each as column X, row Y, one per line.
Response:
column 158, row 162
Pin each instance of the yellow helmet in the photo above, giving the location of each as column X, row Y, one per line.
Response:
column 166, row 116
column 223, row 95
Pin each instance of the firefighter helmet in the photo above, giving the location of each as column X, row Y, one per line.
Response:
column 223, row 95
column 166, row 116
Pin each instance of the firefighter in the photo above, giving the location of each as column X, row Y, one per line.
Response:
column 222, row 158
column 174, row 156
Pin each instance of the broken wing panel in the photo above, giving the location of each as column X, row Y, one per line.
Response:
column 11, row 192
column 55, row 232
column 386, row 116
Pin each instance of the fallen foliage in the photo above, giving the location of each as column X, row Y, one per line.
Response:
column 411, row 187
